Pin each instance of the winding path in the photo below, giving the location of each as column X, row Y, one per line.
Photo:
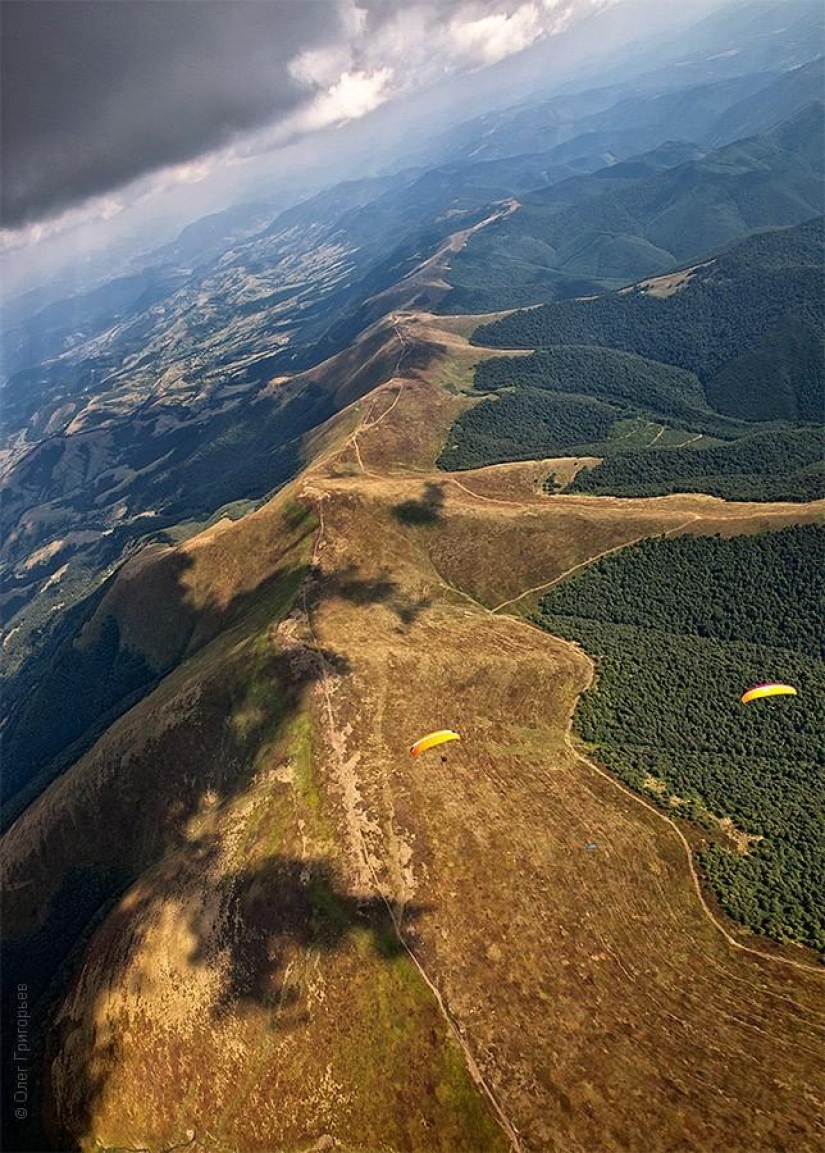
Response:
column 697, row 884
column 706, row 908
column 694, row 516
column 347, row 778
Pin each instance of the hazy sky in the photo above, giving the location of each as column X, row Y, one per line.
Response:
column 117, row 111
column 100, row 93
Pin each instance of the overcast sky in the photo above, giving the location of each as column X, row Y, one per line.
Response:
column 100, row 93
column 124, row 119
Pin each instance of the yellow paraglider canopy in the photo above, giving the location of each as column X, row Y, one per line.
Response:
column 771, row 690
column 432, row 739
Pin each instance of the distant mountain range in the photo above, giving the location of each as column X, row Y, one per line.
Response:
column 728, row 344
column 149, row 404
column 642, row 218
column 242, row 555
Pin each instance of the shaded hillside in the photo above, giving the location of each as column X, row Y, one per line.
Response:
column 229, row 841
column 733, row 351
column 548, row 250
column 757, row 36
column 113, row 648
column 675, row 653
column 733, row 53
column 705, row 320
column 778, row 100
column 614, row 121
column 505, row 267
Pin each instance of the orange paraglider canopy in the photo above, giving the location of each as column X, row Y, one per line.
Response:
column 770, row 690
column 432, row 739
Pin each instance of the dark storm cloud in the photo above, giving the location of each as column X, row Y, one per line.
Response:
column 98, row 92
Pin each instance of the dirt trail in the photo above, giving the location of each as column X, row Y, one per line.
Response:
column 357, row 823
column 345, row 768
column 706, row 909
column 365, row 425
column 349, row 785
column 591, row 560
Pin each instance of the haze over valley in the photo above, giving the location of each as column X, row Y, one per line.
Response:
column 370, row 370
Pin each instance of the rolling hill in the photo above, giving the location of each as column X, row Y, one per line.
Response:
column 249, row 865
column 552, row 250
column 268, row 518
column 704, row 319
column 732, row 351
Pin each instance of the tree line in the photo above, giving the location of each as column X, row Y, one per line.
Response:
column 679, row 628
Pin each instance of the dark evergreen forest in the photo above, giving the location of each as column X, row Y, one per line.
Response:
column 765, row 291
column 724, row 365
column 679, row 629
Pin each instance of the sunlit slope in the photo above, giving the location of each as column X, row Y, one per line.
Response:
column 608, row 944
column 252, row 958
column 248, row 989
column 109, row 649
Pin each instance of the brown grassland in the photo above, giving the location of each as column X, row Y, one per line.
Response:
column 325, row 944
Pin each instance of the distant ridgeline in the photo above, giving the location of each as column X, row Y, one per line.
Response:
column 647, row 215
column 708, row 380
column 674, row 655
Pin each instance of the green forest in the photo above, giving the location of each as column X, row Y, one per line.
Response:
column 765, row 289
column 724, row 378
column 527, row 424
column 648, row 420
column 783, row 464
column 641, row 218
column 678, row 630
column 578, row 399
column 603, row 372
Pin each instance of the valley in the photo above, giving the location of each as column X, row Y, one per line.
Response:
column 307, row 842
column 512, row 426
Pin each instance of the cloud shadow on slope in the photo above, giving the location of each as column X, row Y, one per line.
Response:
column 248, row 694
column 367, row 591
column 426, row 511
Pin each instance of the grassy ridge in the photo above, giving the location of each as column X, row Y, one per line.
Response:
column 675, row 629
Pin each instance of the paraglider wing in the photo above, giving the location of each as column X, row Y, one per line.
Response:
column 433, row 739
column 768, row 691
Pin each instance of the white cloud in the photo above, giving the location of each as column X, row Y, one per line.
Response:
column 95, row 209
column 352, row 96
column 353, row 18
column 321, row 66
column 490, row 38
column 560, row 13
column 372, row 61
column 111, row 207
